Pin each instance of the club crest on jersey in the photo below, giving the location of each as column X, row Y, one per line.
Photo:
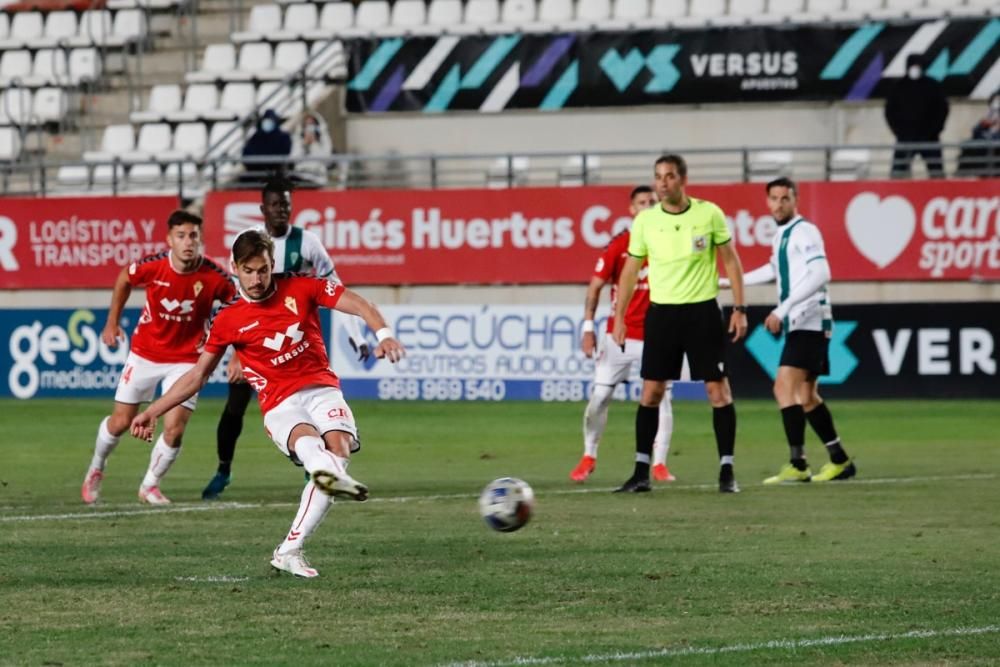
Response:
column 294, row 257
column 291, row 305
column 699, row 243
column 198, row 287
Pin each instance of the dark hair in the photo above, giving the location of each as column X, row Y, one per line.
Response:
column 277, row 184
column 782, row 182
column 181, row 217
column 252, row 243
column 639, row 190
column 676, row 160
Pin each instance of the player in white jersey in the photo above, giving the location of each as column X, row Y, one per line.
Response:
column 295, row 251
column 800, row 268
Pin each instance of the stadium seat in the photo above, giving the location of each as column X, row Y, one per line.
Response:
column 821, row 10
column 50, row 105
column 190, row 142
column 73, row 176
column 24, row 28
column 299, row 20
column 163, row 99
column 327, row 61
column 785, row 9
column 590, row 14
column 748, row 12
column 15, row 106
column 516, row 14
column 116, row 141
column 503, row 173
column 702, row 13
column 106, row 174
column 217, row 61
column 222, row 138
column 768, row 165
column 4, row 25
column 663, row 13
column 50, row 69
column 334, row 19
column 408, row 14
column 145, row 174
column 850, row 164
column 265, row 91
column 264, row 19
column 59, row 26
column 10, row 144
column 480, row 15
column 95, row 28
column 629, row 12
column 129, row 27
column 572, row 173
column 289, row 57
column 183, row 174
column 236, row 101
column 370, row 17
column 552, row 15
column 199, row 98
column 14, row 66
column 84, row 66
column 254, row 58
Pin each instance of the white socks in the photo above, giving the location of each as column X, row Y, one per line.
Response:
column 595, row 418
column 312, row 508
column 312, row 451
column 103, row 446
column 661, row 444
column 160, row 460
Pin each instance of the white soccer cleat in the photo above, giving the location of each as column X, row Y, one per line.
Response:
column 293, row 562
column 339, row 484
column 152, row 495
column 91, row 489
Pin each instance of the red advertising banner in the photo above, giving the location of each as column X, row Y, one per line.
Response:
column 77, row 242
column 874, row 230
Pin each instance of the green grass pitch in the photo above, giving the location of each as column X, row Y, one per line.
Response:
column 897, row 567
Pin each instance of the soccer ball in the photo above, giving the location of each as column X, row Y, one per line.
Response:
column 506, row 504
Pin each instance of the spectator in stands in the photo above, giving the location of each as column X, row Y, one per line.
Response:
column 977, row 159
column 268, row 141
column 916, row 110
column 312, row 140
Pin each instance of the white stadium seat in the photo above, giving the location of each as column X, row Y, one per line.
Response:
column 4, row 25
column 14, row 65
column 255, row 57
column 264, row 20
column 95, row 28
column 116, row 141
column 370, row 16
column 334, row 19
column 407, row 14
column 84, row 65
column 480, row 14
column 217, row 61
column 299, row 20
column 785, row 8
column 850, row 164
column 223, row 132
column 199, row 99
column 164, row 98
column 290, row 57
column 51, row 68
column 190, row 141
column 443, row 16
column 516, row 14
column 572, row 174
column 503, row 173
column 25, row 27
column 50, row 105
column 768, row 165
column 15, row 106
column 10, row 144
column 60, row 26
column 129, row 26
column 630, row 10
column 73, row 176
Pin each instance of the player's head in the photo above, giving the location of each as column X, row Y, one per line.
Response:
column 184, row 236
column 276, row 205
column 782, row 199
column 642, row 197
column 670, row 177
column 253, row 257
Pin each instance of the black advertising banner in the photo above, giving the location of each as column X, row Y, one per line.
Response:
column 490, row 73
column 908, row 350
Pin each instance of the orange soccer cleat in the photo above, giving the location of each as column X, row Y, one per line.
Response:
column 661, row 473
column 583, row 469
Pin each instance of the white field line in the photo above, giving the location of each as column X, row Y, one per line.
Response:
column 213, row 579
column 112, row 511
column 773, row 645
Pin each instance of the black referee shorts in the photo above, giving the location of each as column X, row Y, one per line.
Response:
column 673, row 330
column 808, row 350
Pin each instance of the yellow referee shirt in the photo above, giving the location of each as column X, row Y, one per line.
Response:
column 680, row 248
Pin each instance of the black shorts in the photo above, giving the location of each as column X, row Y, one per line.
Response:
column 673, row 330
column 808, row 350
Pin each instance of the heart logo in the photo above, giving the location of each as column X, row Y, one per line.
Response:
column 620, row 70
column 880, row 228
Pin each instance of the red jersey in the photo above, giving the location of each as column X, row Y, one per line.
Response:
column 278, row 339
column 609, row 269
column 174, row 320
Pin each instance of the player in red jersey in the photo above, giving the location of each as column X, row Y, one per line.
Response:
column 181, row 286
column 274, row 327
column 614, row 363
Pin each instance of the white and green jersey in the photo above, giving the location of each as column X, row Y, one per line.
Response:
column 798, row 260
column 301, row 251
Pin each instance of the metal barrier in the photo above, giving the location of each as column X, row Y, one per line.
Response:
column 191, row 178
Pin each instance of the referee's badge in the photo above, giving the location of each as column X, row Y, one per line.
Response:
column 699, row 243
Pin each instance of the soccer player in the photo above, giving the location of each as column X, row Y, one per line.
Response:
column 613, row 363
column 181, row 286
column 273, row 324
column 295, row 250
column 798, row 262
column 680, row 238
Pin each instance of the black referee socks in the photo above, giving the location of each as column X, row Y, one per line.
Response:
column 724, row 423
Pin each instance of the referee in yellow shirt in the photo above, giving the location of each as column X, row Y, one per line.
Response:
column 680, row 238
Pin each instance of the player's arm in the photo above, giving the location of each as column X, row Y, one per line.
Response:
column 588, row 342
column 816, row 278
column 759, row 276
column 122, row 290
column 734, row 271
column 355, row 304
column 626, row 287
column 186, row 386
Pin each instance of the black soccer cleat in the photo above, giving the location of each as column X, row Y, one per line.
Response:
column 634, row 485
column 727, row 480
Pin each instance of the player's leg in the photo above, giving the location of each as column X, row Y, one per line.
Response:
column 109, row 433
column 705, row 345
column 818, row 415
column 664, row 432
column 226, row 434
column 165, row 451
column 787, row 385
column 612, row 367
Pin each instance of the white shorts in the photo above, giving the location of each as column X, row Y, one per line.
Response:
column 321, row 407
column 614, row 366
column 140, row 376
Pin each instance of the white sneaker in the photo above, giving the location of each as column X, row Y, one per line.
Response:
column 339, row 484
column 293, row 562
column 91, row 489
column 151, row 495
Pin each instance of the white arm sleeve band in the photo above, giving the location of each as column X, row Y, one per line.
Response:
column 760, row 275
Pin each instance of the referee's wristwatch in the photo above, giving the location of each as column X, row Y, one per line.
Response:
column 740, row 309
